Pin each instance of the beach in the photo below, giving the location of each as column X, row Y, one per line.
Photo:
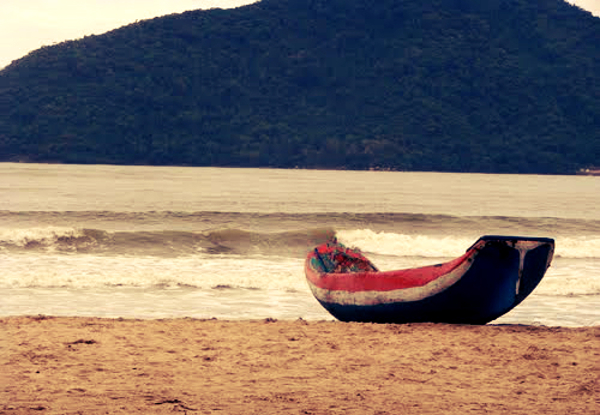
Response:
column 136, row 289
column 80, row 365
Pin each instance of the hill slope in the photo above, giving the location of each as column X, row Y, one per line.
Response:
column 446, row 85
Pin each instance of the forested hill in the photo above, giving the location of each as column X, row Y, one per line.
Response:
column 442, row 85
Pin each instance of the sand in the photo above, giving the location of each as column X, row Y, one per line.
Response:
column 109, row 366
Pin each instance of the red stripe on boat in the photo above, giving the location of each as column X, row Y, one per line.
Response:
column 381, row 281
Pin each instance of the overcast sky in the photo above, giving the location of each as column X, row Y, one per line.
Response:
column 26, row 25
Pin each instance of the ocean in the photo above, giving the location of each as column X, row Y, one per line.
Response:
column 171, row 242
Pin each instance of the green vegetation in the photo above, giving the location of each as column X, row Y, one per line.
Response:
column 444, row 85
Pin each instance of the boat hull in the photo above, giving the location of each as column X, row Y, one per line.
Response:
column 494, row 276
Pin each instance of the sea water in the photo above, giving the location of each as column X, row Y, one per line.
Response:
column 161, row 242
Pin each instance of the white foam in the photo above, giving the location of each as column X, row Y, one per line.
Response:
column 578, row 247
column 450, row 246
column 571, row 278
column 45, row 236
column 88, row 271
column 405, row 245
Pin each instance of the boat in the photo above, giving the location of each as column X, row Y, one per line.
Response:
column 494, row 275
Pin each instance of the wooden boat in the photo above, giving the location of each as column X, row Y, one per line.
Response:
column 494, row 275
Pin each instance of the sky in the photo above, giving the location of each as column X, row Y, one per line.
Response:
column 26, row 25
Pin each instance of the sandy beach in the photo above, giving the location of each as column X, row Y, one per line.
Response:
column 105, row 366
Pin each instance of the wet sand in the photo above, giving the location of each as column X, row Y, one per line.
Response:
column 106, row 366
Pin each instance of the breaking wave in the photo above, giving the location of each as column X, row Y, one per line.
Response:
column 385, row 243
column 171, row 243
column 162, row 243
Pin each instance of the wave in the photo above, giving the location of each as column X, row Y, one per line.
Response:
column 408, row 223
column 216, row 273
column 295, row 243
column 162, row 243
column 425, row 246
column 229, row 259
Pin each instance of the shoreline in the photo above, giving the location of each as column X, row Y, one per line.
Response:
column 70, row 365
